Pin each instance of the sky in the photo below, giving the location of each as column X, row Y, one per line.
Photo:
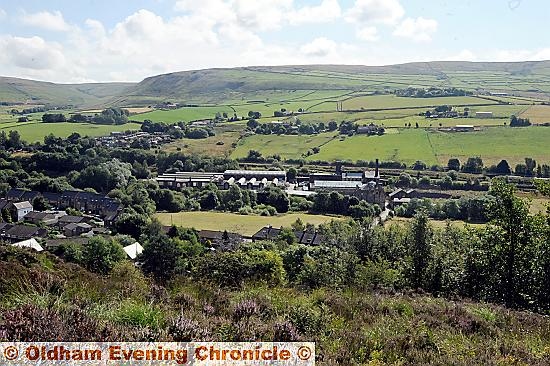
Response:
column 72, row 41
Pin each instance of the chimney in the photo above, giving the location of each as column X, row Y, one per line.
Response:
column 376, row 172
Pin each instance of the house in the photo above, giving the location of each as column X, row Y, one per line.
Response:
column 74, row 229
column 133, row 250
column 19, row 210
column 266, row 233
column 38, row 218
column 219, row 237
column 52, row 198
column 302, row 237
column 110, row 218
column 403, row 193
column 309, row 238
column 17, row 233
column 396, row 202
column 29, row 196
column 67, row 199
column 14, row 194
column 69, row 219
column 31, row 243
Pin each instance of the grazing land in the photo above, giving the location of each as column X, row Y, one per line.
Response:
column 294, row 147
column 242, row 224
column 409, row 145
column 35, row 132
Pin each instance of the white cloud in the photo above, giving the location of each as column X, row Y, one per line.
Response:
column 319, row 47
column 369, row 34
column 31, row 53
column 262, row 14
column 46, row 20
column 366, row 12
column 419, row 29
column 2, row 13
column 326, row 11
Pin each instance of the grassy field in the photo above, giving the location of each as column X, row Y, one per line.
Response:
column 185, row 114
column 406, row 146
column 219, row 145
column 33, row 132
column 537, row 114
column 409, row 145
column 392, row 101
column 242, row 224
column 492, row 144
column 286, row 146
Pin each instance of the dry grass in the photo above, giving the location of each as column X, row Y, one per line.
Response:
column 537, row 114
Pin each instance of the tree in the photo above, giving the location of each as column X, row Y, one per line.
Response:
column 112, row 116
column 503, row 168
column 252, row 124
column 14, row 140
column 160, row 256
column 454, row 164
column 511, row 249
column 530, row 165
column 291, row 174
column 100, row 255
column 473, row 165
column 40, row 204
column 420, row 250
column 105, row 176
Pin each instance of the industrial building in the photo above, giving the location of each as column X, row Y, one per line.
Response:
column 245, row 179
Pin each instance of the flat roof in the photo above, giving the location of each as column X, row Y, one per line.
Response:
column 336, row 184
column 254, row 172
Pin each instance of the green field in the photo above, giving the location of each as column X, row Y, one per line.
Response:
column 185, row 114
column 242, row 224
column 392, row 101
column 434, row 147
column 409, row 145
column 34, row 132
column 285, row 146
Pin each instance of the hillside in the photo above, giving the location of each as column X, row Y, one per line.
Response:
column 214, row 86
column 46, row 298
column 15, row 90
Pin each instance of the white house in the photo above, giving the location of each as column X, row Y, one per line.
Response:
column 20, row 209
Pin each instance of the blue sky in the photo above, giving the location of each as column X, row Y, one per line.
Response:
column 122, row 40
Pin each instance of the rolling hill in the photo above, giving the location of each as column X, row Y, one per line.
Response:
column 214, row 86
column 15, row 90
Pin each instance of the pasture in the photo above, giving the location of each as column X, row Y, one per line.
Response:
column 409, row 145
column 392, row 101
column 35, row 132
column 436, row 147
column 243, row 224
column 287, row 146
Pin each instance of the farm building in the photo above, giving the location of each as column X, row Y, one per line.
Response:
column 484, row 114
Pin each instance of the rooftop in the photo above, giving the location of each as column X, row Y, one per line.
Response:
column 336, row 184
